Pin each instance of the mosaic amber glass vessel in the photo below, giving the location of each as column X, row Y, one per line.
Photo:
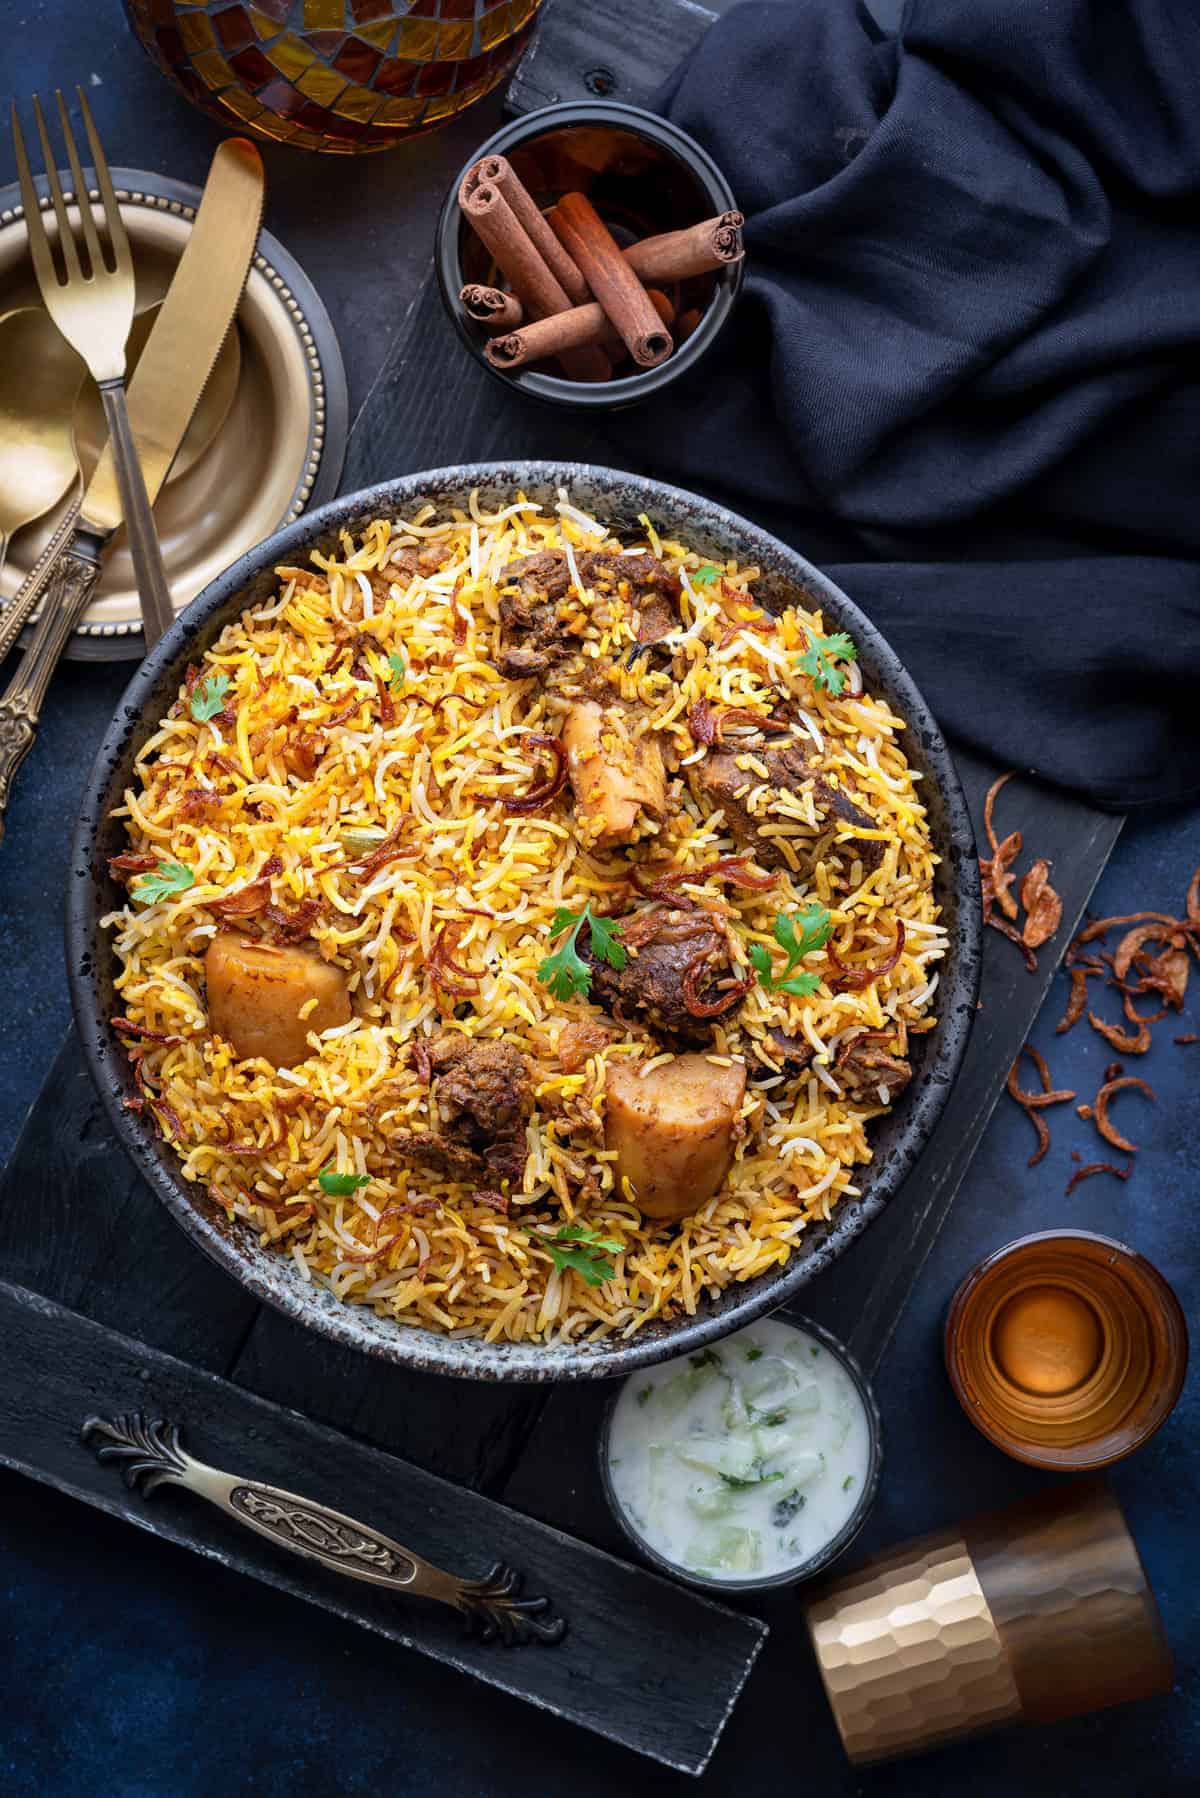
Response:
column 342, row 76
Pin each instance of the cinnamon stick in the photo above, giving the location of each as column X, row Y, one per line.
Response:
column 694, row 251
column 492, row 307
column 514, row 252
column 564, row 331
column 498, row 172
column 578, row 226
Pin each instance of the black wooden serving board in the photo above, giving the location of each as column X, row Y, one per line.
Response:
column 79, row 1227
column 614, row 1669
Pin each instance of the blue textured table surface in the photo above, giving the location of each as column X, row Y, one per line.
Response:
column 132, row 1670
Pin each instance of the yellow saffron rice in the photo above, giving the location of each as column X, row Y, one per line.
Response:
column 419, row 732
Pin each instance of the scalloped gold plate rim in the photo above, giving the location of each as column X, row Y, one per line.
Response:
column 264, row 464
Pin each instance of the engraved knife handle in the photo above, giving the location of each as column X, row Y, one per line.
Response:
column 24, row 601
column 153, row 1456
column 67, row 596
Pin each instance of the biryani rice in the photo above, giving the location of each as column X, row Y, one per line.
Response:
column 430, row 743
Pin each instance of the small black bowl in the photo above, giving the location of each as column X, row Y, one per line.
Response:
column 824, row 1556
column 644, row 176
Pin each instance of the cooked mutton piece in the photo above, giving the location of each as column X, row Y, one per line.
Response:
column 792, row 767
column 651, row 587
column 671, row 954
column 531, row 594
column 480, row 1097
column 412, row 559
column 863, row 1066
column 617, row 774
column 673, row 1130
column 532, row 591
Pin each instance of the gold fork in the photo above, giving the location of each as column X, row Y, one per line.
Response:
column 93, row 309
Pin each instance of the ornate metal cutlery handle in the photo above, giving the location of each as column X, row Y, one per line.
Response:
column 23, row 602
column 70, row 589
column 152, row 1456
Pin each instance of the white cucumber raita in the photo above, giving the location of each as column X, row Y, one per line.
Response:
column 743, row 1460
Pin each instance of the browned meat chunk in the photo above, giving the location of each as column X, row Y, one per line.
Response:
column 662, row 945
column 411, row 560
column 532, row 589
column 792, row 1054
column 481, row 1096
column 722, row 784
column 864, row 1065
column 580, row 1040
column 653, row 589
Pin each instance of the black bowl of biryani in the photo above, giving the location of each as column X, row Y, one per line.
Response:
column 525, row 923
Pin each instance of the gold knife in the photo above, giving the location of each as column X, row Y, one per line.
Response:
column 162, row 395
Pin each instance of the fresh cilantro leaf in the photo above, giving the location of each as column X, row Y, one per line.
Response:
column 605, row 932
column 340, row 1186
column 740, row 1485
column 706, row 1358
column 704, row 577
column 816, row 928
column 847, row 1482
column 754, row 1354
column 801, row 986
column 644, row 1394
column 209, row 697
column 396, row 664
column 819, row 658
column 169, row 880
column 565, row 972
column 582, row 1251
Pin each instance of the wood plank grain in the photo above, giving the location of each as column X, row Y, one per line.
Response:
column 464, row 1430
column 616, row 1671
column 620, row 49
column 79, row 1224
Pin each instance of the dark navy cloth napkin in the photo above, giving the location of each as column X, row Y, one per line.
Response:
column 965, row 376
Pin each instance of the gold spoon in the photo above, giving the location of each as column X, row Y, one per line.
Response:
column 40, row 378
column 87, row 433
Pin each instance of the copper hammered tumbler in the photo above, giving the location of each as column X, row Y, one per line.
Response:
column 1026, row 1615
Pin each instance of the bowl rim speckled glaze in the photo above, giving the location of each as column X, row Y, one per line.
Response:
column 275, row 1279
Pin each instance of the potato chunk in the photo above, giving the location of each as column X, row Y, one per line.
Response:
column 256, row 991
column 618, row 777
column 673, row 1131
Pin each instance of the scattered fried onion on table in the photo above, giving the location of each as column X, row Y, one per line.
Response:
column 1104, row 1124
column 1043, row 907
column 1034, row 1103
column 1097, row 1167
column 1134, row 970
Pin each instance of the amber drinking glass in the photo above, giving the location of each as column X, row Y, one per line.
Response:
column 342, row 76
column 1066, row 1349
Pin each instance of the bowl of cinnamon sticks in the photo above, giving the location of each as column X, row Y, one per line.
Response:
column 589, row 254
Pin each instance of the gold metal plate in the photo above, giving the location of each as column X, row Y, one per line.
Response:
column 191, row 326
column 280, row 447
